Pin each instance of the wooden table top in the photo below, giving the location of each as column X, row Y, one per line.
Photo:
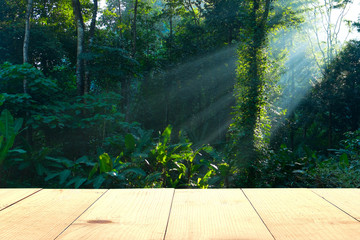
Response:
column 131, row 214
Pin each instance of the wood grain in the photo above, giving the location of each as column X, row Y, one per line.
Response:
column 45, row 214
column 124, row 214
column 302, row 215
column 347, row 199
column 214, row 214
column 9, row 196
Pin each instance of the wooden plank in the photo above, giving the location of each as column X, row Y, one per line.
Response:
column 302, row 215
column 45, row 214
column 347, row 199
column 124, row 214
column 214, row 214
column 9, row 196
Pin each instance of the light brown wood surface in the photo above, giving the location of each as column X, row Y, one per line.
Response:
column 45, row 214
column 347, row 199
column 214, row 214
column 131, row 214
column 9, row 196
column 124, row 214
column 302, row 215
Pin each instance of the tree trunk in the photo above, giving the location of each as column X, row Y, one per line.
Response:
column 93, row 22
column 80, row 46
column 250, row 99
column 91, row 40
column 27, row 39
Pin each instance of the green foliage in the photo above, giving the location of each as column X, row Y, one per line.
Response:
column 41, row 91
column 110, row 66
column 40, row 87
column 182, row 74
column 161, row 165
column 9, row 129
column 107, row 172
column 285, row 168
column 342, row 169
column 179, row 164
column 224, row 20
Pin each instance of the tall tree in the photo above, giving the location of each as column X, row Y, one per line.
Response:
column 326, row 18
column 250, row 80
column 330, row 13
column 224, row 18
column 260, row 17
column 90, row 43
column 80, row 26
column 27, row 38
column 171, row 9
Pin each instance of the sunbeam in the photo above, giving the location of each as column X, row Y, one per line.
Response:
column 200, row 120
column 184, row 86
column 309, row 56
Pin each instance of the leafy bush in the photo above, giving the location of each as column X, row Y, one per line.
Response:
column 9, row 129
column 285, row 168
column 342, row 169
column 40, row 89
column 141, row 162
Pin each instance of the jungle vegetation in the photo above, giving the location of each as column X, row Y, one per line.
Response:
column 179, row 93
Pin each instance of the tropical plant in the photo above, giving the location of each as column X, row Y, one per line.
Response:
column 9, row 129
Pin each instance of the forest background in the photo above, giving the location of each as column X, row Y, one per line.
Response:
column 179, row 93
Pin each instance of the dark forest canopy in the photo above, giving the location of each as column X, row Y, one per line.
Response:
column 179, row 93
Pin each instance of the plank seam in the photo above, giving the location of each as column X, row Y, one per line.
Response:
column 335, row 206
column 167, row 223
column 20, row 199
column 258, row 213
column 81, row 214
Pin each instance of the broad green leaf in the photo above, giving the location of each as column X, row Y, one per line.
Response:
column 51, row 176
column 93, row 171
column 85, row 160
column 166, row 134
column 64, row 175
column 98, row 181
column 130, row 142
column 17, row 125
column 106, row 164
column 137, row 171
column 6, row 124
column 153, row 177
column 40, row 169
column 79, row 182
column 64, row 161
column 203, row 182
column 7, row 133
